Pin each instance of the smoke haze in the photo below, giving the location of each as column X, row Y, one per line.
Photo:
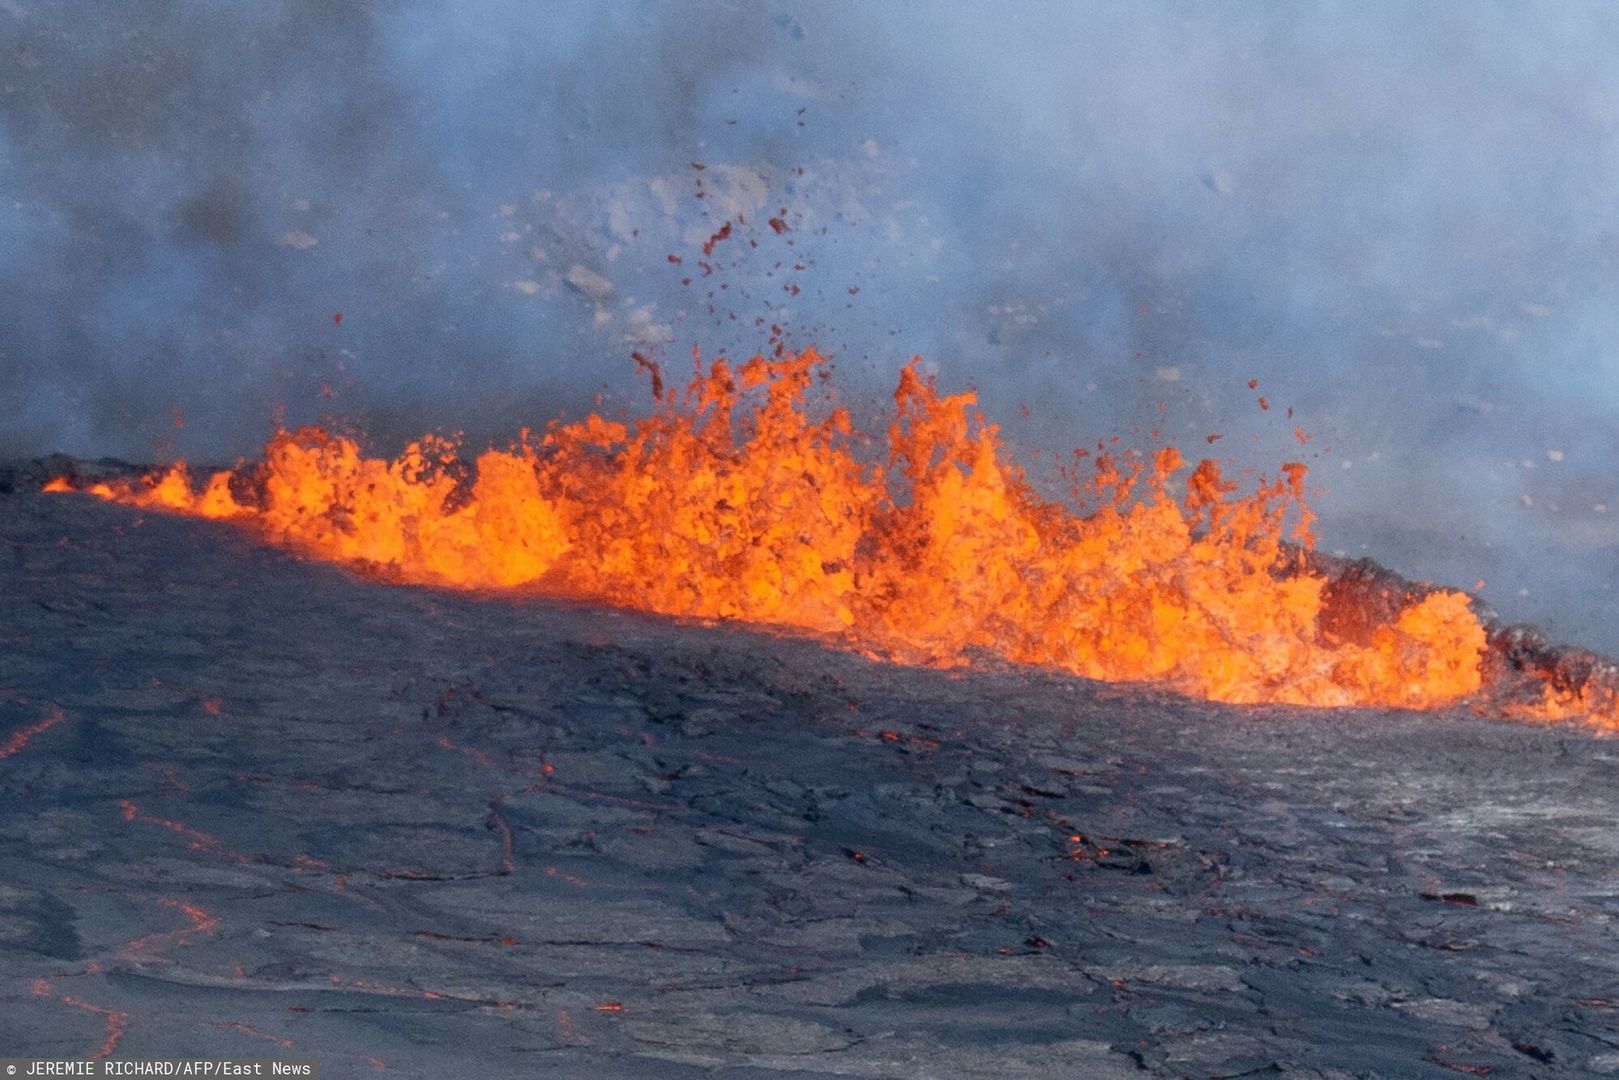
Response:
column 1400, row 219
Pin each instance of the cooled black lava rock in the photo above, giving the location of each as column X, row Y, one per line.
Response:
column 255, row 806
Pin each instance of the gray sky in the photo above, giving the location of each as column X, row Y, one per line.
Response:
column 1399, row 218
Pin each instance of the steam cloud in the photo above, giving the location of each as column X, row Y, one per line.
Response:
column 1399, row 218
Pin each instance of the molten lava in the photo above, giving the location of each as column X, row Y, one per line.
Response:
column 734, row 500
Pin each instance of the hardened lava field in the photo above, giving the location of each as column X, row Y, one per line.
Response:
column 254, row 804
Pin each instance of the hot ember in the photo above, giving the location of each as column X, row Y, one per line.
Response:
column 737, row 499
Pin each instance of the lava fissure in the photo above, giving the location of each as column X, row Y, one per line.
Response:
column 737, row 500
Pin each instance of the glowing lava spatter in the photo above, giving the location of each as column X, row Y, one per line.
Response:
column 733, row 500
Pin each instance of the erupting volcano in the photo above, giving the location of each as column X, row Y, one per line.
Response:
column 809, row 713
column 741, row 499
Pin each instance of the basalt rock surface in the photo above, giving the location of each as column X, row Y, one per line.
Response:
column 254, row 806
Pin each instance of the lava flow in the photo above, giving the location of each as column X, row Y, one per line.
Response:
column 738, row 500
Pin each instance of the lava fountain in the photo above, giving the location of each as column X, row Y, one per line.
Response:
column 738, row 499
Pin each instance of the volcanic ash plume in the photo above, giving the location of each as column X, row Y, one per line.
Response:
column 742, row 499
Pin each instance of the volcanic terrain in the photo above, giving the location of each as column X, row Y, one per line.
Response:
column 258, row 806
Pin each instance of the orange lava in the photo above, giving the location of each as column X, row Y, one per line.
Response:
column 508, row 842
column 15, row 742
column 739, row 499
column 149, row 948
column 248, row 1029
column 117, row 1022
column 196, row 839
